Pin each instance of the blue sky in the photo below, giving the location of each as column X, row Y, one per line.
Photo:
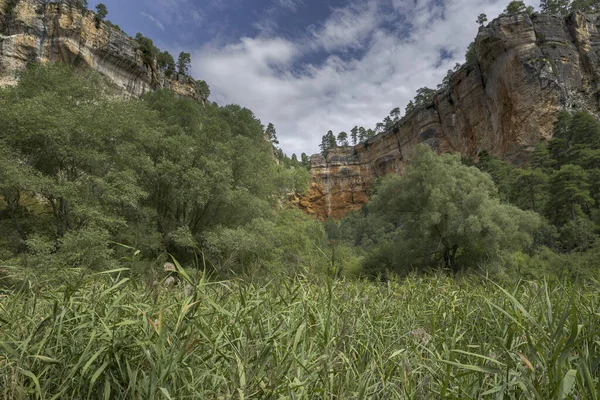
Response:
column 310, row 66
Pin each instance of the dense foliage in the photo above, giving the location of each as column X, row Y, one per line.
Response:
column 443, row 211
column 81, row 170
column 72, row 335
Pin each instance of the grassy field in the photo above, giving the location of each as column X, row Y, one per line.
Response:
column 78, row 335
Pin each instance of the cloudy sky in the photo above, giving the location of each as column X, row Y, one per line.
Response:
column 310, row 66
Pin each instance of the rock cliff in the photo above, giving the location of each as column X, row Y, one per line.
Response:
column 528, row 69
column 31, row 31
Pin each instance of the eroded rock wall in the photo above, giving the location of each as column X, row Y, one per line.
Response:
column 528, row 69
column 33, row 32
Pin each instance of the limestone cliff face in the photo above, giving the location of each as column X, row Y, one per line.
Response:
column 31, row 31
column 528, row 69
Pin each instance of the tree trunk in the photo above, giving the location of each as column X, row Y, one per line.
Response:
column 14, row 204
column 450, row 258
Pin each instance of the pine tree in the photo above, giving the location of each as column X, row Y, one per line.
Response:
column 271, row 133
column 354, row 135
column 342, row 139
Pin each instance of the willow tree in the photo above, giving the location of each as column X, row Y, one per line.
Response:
column 449, row 214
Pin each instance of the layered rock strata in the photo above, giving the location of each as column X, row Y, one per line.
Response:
column 31, row 31
column 528, row 69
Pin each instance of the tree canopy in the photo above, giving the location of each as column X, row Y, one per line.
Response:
column 449, row 214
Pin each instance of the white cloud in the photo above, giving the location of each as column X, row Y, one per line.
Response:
column 348, row 26
column 153, row 19
column 174, row 12
column 291, row 5
column 270, row 75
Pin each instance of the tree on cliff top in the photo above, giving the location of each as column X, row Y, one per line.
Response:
column 354, row 135
column 481, row 19
column 449, row 214
column 271, row 133
column 101, row 13
column 342, row 139
column 517, row 6
column 183, row 63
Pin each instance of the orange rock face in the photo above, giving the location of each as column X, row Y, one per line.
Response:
column 528, row 69
column 31, row 31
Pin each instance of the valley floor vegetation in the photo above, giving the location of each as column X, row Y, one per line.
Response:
column 74, row 335
column 463, row 278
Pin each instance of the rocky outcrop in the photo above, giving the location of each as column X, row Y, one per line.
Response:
column 31, row 31
column 528, row 69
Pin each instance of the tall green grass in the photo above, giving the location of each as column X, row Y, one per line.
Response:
column 112, row 335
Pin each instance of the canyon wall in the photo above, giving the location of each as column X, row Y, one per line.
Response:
column 31, row 31
column 528, row 69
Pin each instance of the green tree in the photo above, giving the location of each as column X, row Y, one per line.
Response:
column 395, row 114
column 388, row 123
column 305, row 160
column 530, row 189
column 342, row 138
column 147, row 48
column 362, row 134
column 183, row 63
column 471, row 54
column 517, row 6
column 331, row 140
column 166, row 63
column 424, row 97
column 449, row 214
column 101, row 13
column 81, row 168
column 481, row 19
column 271, row 133
column 409, row 107
column 587, row 6
column 354, row 135
column 569, row 194
column 555, row 6
column 204, row 88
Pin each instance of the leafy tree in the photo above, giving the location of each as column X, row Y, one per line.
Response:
column 342, row 139
column 449, row 214
column 569, row 194
column 555, row 6
column 331, row 139
column 166, row 63
column 149, row 51
column 587, row 6
column 529, row 189
column 271, row 133
column 471, row 55
column 541, row 158
column 362, row 134
column 445, row 85
column 324, row 146
column 354, row 135
column 183, row 63
column 424, row 97
column 409, row 107
column 380, row 127
column 101, row 13
column 387, row 123
column 395, row 114
column 305, row 160
column 204, row 88
column 517, row 6
column 295, row 162
column 481, row 19
column 81, row 169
